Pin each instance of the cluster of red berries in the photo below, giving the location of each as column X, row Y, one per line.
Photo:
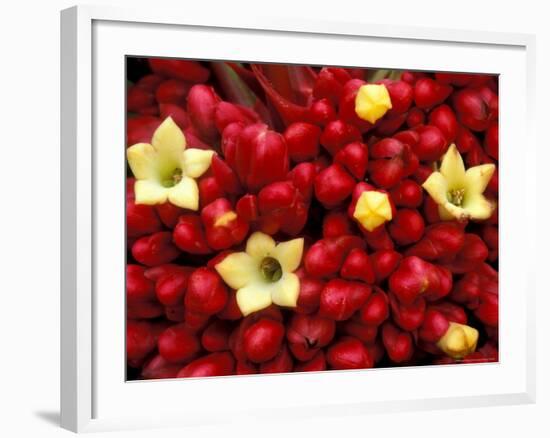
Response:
column 292, row 160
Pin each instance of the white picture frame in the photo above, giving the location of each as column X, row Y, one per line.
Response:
column 94, row 41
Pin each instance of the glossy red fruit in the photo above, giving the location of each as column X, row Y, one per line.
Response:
column 340, row 299
column 201, row 108
column 306, row 334
column 325, row 257
column 376, row 309
column 140, row 219
column 215, row 336
column 322, row 112
column 358, row 266
column 225, row 176
column 138, row 287
column 434, row 326
column 444, row 118
column 178, row 344
column 155, row 249
column 172, row 92
column 465, row 140
column 407, row 316
column 365, row 333
column 214, row 364
column 191, row 71
column 407, row 193
column 178, row 114
column 413, row 278
column 170, row 288
column 159, row 368
column 336, row 223
column 348, row 353
column 415, row 117
column 333, row 185
column 431, row 143
column 471, row 255
column 140, row 339
column 399, row 344
column 487, row 311
column 476, row 108
column 401, row 95
column 391, row 161
column 310, row 292
column 260, row 157
column 223, row 227
column 329, row 83
column 263, row 339
column 206, row 293
column 302, row 140
column 281, row 363
column 491, row 140
column 384, row 262
column 337, row 134
column 189, row 235
column 406, row 227
column 441, row 241
column 428, row 93
column 317, row 363
column 355, row 158
column 227, row 113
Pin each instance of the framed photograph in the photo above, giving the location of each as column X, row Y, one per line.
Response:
column 265, row 217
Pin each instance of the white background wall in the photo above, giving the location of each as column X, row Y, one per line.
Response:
column 29, row 218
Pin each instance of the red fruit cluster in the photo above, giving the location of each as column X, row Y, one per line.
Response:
column 293, row 159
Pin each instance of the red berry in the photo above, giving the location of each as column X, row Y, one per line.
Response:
column 302, row 140
column 215, row 364
column 178, row 344
column 349, row 353
column 206, row 292
column 263, row 339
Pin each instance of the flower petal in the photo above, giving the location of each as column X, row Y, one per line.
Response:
column 450, row 212
column 256, row 296
column 196, row 161
column 259, row 245
column 478, row 177
column 478, row 206
column 169, row 141
column 185, row 194
column 436, row 186
column 142, row 160
column 238, row 270
column 289, row 254
column 150, row 192
column 285, row 292
column 452, row 168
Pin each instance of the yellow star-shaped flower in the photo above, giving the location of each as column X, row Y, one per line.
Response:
column 264, row 273
column 459, row 340
column 165, row 170
column 372, row 209
column 459, row 192
column 372, row 102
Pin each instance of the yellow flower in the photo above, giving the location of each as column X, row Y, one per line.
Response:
column 165, row 170
column 372, row 209
column 263, row 274
column 458, row 341
column 459, row 192
column 372, row 102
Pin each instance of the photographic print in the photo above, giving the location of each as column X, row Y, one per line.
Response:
column 294, row 218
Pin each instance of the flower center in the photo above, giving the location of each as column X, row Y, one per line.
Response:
column 174, row 178
column 271, row 269
column 456, row 196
